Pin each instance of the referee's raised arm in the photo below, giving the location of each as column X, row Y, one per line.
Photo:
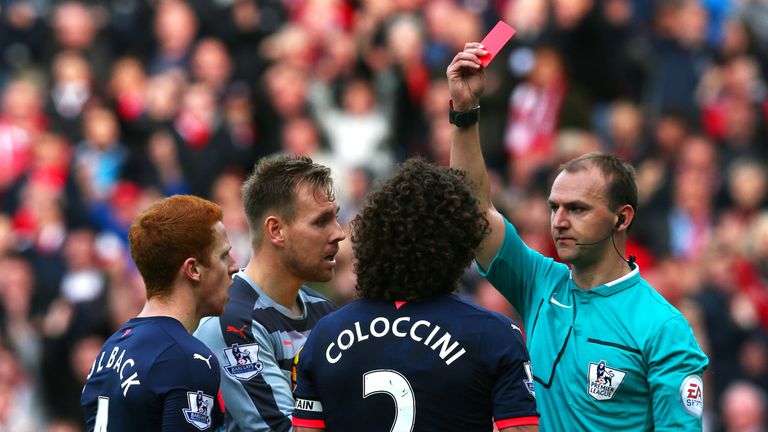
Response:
column 466, row 82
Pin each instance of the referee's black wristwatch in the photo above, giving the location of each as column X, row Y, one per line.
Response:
column 463, row 119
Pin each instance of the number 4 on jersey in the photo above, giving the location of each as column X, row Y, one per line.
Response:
column 102, row 415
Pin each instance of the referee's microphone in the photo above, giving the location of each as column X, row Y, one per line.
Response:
column 610, row 234
column 631, row 261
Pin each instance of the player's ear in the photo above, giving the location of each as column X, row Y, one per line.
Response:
column 274, row 230
column 191, row 269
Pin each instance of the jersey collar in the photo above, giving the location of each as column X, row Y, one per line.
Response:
column 619, row 284
column 616, row 285
column 267, row 301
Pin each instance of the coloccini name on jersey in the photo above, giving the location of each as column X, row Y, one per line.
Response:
column 117, row 365
column 401, row 327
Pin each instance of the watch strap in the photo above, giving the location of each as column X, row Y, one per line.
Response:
column 463, row 119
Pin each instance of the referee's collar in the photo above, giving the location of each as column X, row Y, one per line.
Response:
column 616, row 285
column 619, row 284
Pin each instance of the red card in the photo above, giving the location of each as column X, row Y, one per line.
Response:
column 495, row 40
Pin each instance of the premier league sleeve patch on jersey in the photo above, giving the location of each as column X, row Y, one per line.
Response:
column 199, row 412
column 529, row 378
column 692, row 395
column 243, row 360
column 604, row 380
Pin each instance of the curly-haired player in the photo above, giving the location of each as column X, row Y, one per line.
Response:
column 421, row 202
column 410, row 354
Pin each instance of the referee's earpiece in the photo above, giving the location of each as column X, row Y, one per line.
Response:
column 608, row 236
column 631, row 261
column 619, row 222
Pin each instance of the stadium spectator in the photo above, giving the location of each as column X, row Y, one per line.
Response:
column 744, row 407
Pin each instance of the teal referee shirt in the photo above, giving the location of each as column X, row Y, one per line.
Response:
column 616, row 357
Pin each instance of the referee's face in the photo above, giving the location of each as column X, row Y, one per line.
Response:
column 581, row 221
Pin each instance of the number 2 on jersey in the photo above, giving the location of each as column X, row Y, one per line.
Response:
column 397, row 386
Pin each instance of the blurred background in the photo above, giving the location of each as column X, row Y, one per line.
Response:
column 106, row 106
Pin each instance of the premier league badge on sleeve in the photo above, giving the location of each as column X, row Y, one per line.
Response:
column 244, row 362
column 199, row 412
column 529, row 381
column 604, row 380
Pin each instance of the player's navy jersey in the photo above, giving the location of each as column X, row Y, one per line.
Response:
column 442, row 364
column 151, row 375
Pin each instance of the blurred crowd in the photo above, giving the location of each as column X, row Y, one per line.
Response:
column 106, row 106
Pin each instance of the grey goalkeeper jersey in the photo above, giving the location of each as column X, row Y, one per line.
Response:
column 256, row 340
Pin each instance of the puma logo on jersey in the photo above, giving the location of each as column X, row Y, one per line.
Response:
column 240, row 331
column 207, row 360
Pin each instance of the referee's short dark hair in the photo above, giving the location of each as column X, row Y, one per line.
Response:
column 620, row 181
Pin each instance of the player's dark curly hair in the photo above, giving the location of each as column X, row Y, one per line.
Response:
column 416, row 234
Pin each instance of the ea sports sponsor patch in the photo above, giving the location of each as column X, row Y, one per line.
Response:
column 692, row 395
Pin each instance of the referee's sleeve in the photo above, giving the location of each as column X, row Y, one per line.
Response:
column 675, row 367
